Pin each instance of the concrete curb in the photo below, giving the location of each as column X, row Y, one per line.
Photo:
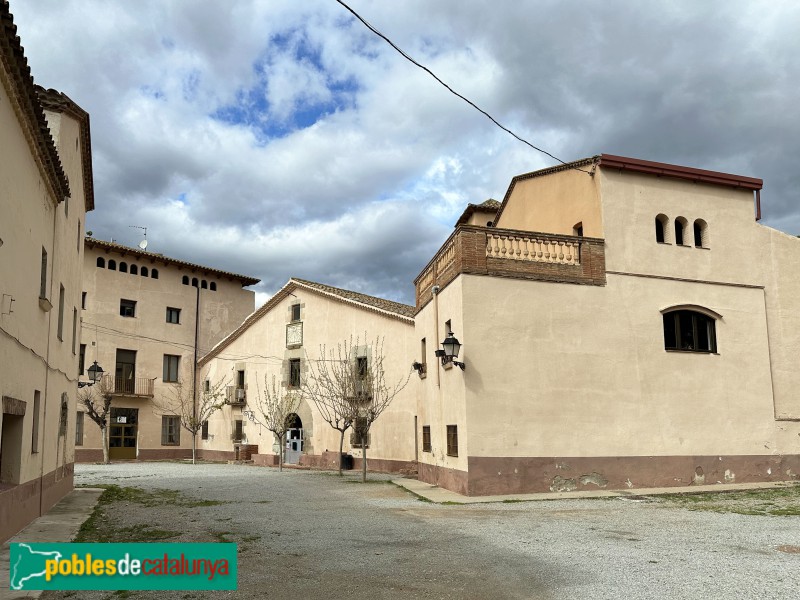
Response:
column 60, row 524
column 439, row 495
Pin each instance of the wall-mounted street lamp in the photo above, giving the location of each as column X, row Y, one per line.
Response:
column 451, row 347
column 95, row 375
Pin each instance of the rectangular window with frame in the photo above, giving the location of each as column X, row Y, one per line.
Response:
column 207, row 386
column 170, row 430
column 295, row 312
column 61, row 314
column 83, row 300
column 171, row 367
column 360, row 436
column 127, row 308
column 82, row 360
column 173, row 315
column 238, row 430
column 204, row 431
column 452, row 440
column 43, row 276
column 37, row 396
column 426, row 438
column 79, row 428
column 74, row 328
column 294, row 372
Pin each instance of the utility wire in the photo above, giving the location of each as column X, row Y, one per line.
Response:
column 451, row 90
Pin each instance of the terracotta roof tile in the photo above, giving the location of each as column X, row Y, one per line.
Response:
column 387, row 305
column 487, row 206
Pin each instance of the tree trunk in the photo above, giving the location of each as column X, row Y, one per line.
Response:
column 364, row 459
column 341, row 446
column 194, row 447
column 280, row 451
column 106, row 459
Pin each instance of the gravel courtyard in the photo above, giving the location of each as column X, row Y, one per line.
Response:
column 309, row 535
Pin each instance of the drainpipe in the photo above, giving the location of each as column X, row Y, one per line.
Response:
column 194, row 364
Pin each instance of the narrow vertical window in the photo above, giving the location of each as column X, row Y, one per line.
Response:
column 426, row 438
column 661, row 228
column 153, row 273
column 43, row 276
column 74, row 329
column 82, row 360
column 83, row 300
column 204, row 431
column 213, row 286
column 294, row 372
column 680, row 231
column 134, row 270
column 171, row 367
column 452, row 440
column 295, row 312
column 37, row 396
column 61, row 313
column 170, row 430
column 123, row 267
column 101, row 262
column 700, row 234
column 79, row 428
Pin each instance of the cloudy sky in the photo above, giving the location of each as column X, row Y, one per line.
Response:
column 281, row 138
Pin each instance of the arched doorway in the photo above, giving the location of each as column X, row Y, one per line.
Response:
column 294, row 439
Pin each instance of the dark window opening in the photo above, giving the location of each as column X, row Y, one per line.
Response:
column 679, row 228
column 170, row 431
column 144, row 272
column 43, row 276
column 426, row 438
column 204, row 431
column 101, row 262
column 171, row 367
column 294, row 372
column 134, row 270
column 295, row 312
column 194, row 281
column 112, row 265
column 82, row 359
column 213, row 286
column 577, row 229
column 127, row 308
column 204, row 284
column 240, row 379
column 185, row 280
column 452, row 440
column 173, row 315
column 154, row 274
column 689, row 331
column 238, row 430
column 123, row 267
column 700, row 228
column 660, row 223
column 83, row 300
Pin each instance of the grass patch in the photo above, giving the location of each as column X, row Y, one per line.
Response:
column 221, row 536
column 778, row 502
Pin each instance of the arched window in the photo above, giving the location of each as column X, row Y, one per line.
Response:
column 134, row 270
column 123, row 267
column 204, row 284
column 194, row 281
column 680, row 230
column 687, row 330
column 662, row 224
column 101, row 262
column 213, row 286
column 185, row 280
column 577, row 229
column 154, row 273
column 144, row 272
column 700, row 234
column 112, row 265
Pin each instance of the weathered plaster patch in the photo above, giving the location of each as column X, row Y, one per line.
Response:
column 563, row 485
column 595, row 478
column 729, row 476
column 699, row 476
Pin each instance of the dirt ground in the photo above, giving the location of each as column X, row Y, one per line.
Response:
column 309, row 535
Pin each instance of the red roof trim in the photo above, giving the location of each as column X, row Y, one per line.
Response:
column 666, row 170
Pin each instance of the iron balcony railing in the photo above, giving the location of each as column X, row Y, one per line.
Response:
column 134, row 386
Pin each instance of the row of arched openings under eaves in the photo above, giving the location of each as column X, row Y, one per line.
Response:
column 124, row 267
column 680, row 233
column 203, row 284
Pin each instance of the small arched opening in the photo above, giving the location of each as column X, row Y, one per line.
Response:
column 700, row 234
column 134, row 270
column 662, row 227
column 154, row 274
column 101, row 262
column 144, row 272
column 112, row 265
column 123, row 267
column 680, row 231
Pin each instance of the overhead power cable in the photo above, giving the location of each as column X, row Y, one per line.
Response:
column 449, row 89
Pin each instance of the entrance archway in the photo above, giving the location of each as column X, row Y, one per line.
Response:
column 294, row 439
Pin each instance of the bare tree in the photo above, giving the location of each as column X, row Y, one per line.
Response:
column 348, row 386
column 97, row 400
column 274, row 408
column 180, row 403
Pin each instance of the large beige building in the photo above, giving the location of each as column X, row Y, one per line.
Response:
column 45, row 191
column 624, row 324
column 278, row 341
column 147, row 318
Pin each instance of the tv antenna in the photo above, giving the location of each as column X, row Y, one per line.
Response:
column 143, row 243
